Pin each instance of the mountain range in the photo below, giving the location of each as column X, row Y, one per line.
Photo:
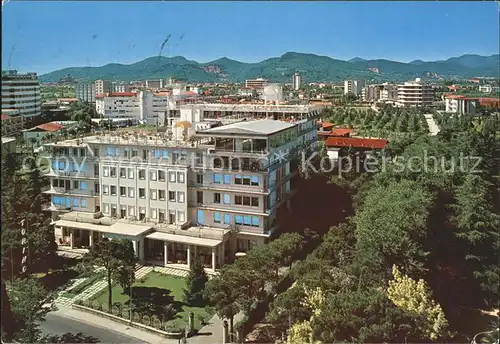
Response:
column 280, row 69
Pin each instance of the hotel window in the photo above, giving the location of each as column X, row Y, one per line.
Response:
column 171, row 196
column 105, row 190
column 217, row 178
column 153, row 193
column 123, row 172
column 227, row 179
column 105, row 171
column 238, row 219
column 247, row 220
column 246, row 180
column 96, row 152
column 142, row 174
column 238, row 179
column 134, row 152
column 152, row 175
column 131, row 192
column 182, row 217
column 238, row 200
column 246, row 200
column 76, row 202
column 180, row 177
column 216, row 217
column 123, row 212
column 113, row 172
column 161, row 195
column 113, row 190
column 180, row 197
column 161, row 176
column 130, row 173
column 199, row 178
column 255, row 202
column 227, row 199
column 105, row 208
column 199, row 196
column 216, row 197
column 123, row 191
column 255, row 181
column 83, row 185
column 142, row 193
column 255, row 221
column 153, row 213
column 83, row 203
column 227, row 219
column 75, row 184
column 131, row 211
column 171, row 177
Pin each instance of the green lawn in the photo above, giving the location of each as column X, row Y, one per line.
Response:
column 154, row 294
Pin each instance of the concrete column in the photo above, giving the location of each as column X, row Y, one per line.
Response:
column 165, row 254
column 91, row 233
column 134, row 243
column 141, row 249
column 223, row 253
column 213, row 259
column 189, row 256
column 71, row 239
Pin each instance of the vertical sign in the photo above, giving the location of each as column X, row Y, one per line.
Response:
column 24, row 245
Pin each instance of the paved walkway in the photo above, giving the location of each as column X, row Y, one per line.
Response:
column 433, row 127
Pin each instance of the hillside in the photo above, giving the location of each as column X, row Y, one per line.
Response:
column 280, row 69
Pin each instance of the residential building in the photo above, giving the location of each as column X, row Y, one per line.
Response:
column 461, row 105
column 247, row 92
column 415, row 93
column 8, row 144
column 155, row 84
column 143, row 106
column 272, row 93
column 12, row 122
column 296, row 81
column 21, row 92
column 257, row 84
column 103, row 86
column 120, row 87
column 218, row 193
column 85, row 92
column 353, row 87
column 489, row 89
column 35, row 136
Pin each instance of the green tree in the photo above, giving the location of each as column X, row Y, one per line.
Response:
column 113, row 255
column 196, row 281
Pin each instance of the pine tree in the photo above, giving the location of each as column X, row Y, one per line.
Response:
column 196, row 281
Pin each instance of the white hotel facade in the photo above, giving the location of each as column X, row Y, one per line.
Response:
column 218, row 193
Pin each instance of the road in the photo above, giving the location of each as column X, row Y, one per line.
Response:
column 57, row 324
column 433, row 127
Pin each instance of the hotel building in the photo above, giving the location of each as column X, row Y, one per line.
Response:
column 21, row 92
column 415, row 93
column 216, row 193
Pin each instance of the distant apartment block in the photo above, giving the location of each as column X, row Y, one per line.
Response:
column 257, row 84
column 12, row 122
column 103, row 86
column 120, row 87
column 296, row 81
column 85, row 91
column 272, row 93
column 155, row 84
column 21, row 92
column 489, row 89
column 415, row 93
column 379, row 92
column 220, row 192
column 143, row 106
column 353, row 87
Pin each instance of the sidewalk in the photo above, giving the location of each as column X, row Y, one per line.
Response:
column 111, row 325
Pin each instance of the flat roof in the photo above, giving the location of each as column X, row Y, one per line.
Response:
column 258, row 127
column 8, row 139
column 190, row 240
column 117, row 228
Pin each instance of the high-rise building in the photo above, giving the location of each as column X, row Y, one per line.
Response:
column 296, row 81
column 103, row 86
column 379, row 92
column 353, row 87
column 415, row 93
column 85, row 92
column 220, row 192
column 120, row 87
column 21, row 92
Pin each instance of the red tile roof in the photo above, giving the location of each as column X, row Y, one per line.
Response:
column 50, row 127
column 357, row 142
column 340, row 131
column 190, row 93
column 121, row 94
column 99, row 96
column 493, row 102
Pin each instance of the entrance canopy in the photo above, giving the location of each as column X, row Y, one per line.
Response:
column 117, row 228
column 189, row 240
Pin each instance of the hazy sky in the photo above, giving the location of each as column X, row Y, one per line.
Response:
column 44, row 36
